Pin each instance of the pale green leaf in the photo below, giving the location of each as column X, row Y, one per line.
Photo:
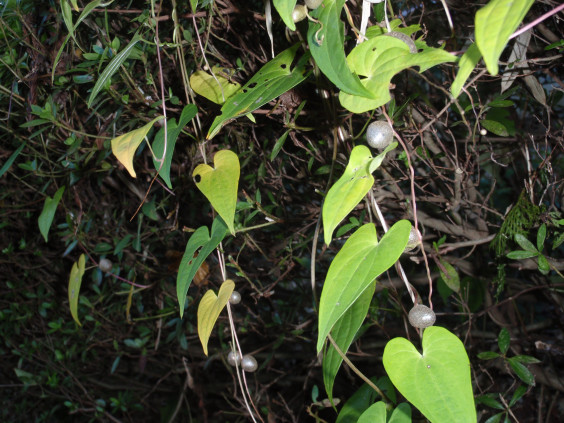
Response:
column 285, row 9
column 348, row 191
column 48, row 213
column 272, row 80
column 494, row 23
column 220, row 184
column 173, row 131
column 361, row 260
column 343, row 334
column 378, row 60
column 401, row 414
column 112, row 68
column 74, row 5
column 467, row 63
column 125, row 145
column 524, row 243
column 326, row 46
column 217, row 89
column 376, row 413
column 437, row 381
column 199, row 247
column 75, row 281
column 66, row 12
column 209, row 309
column 377, row 161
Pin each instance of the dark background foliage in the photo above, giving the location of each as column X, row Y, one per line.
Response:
column 134, row 359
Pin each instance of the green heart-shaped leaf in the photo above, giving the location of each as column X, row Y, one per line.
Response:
column 437, row 382
column 189, row 265
column 209, row 309
column 219, row 184
column 361, row 260
column 348, row 191
column 217, row 87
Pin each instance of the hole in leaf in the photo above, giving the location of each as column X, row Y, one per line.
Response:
column 197, row 178
column 283, row 65
column 253, row 85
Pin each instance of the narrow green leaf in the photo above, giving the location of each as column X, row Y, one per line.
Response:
column 285, row 9
column 541, row 236
column 526, row 359
column 518, row 394
column 66, row 12
column 361, row 260
column 112, row 68
column 495, row 418
column 343, row 334
column 377, row 161
column 503, row 340
column 348, row 191
column 378, row 60
column 467, row 63
column 200, row 240
column 490, row 400
column 209, row 309
column 220, row 184
column 436, row 381
column 75, row 281
column 48, row 213
column 495, row 22
column 376, row 413
column 357, row 403
column 495, row 127
column 271, row 81
column 12, row 158
column 326, row 46
column 173, row 131
column 278, row 146
column 524, row 243
column 521, row 255
column 125, row 145
column 488, row 355
column 521, row 371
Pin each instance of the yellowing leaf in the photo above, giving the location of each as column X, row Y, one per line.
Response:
column 220, row 184
column 75, row 281
column 207, row 86
column 209, row 309
column 125, row 145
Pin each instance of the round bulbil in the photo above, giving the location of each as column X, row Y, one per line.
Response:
column 421, row 316
column 248, row 363
column 233, row 358
column 413, row 240
column 483, row 132
column 299, row 13
column 105, row 265
column 379, row 134
column 235, row 298
column 313, row 4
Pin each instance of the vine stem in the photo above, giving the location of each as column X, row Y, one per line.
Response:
column 537, row 21
column 355, row 369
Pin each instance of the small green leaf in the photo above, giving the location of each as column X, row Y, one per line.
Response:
column 112, row 68
column 518, row 394
column 326, row 45
column 376, row 413
column 521, row 371
column 343, row 334
column 503, row 340
column 526, row 359
column 524, row 243
column 220, row 184
column 377, row 161
column 495, row 22
column 361, row 260
column 75, row 281
column 271, row 81
column 495, row 127
column 12, row 158
column 209, row 309
column 466, row 65
column 544, row 265
column 541, row 237
column 207, row 86
column 437, row 381
column 490, row 400
column 488, row 355
column 48, row 213
column 348, row 191
column 450, row 278
column 125, row 145
column 495, row 418
column 357, row 403
column 278, row 146
column 173, row 131
column 200, row 240
column 285, row 9
column 521, row 255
